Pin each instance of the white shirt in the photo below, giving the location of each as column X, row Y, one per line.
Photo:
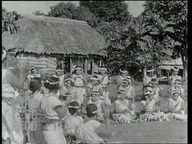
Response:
column 87, row 132
column 49, row 102
column 71, row 123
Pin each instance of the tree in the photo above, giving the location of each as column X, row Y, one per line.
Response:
column 65, row 10
column 9, row 21
column 170, row 21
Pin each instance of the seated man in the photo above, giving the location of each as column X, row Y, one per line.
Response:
column 176, row 107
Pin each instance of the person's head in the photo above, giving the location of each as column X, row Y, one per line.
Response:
column 121, row 96
column 91, row 110
column 59, row 72
column 73, row 107
column 35, row 84
column 68, row 82
column 94, row 80
column 149, row 92
column 125, row 83
column 51, row 84
column 153, row 83
column 175, row 95
column 123, row 73
column 102, row 70
column 34, row 70
column 94, row 95
column 78, row 70
column 175, row 71
column 177, row 83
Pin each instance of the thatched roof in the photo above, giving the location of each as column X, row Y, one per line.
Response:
column 169, row 64
column 48, row 35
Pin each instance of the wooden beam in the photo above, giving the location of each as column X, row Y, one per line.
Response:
column 85, row 66
column 71, row 65
column 92, row 66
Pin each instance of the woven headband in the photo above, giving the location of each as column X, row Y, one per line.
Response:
column 51, row 83
column 73, row 106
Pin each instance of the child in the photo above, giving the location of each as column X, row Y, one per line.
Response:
column 79, row 83
column 177, row 107
column 123, row 110
column 92, row 131
column 72, row 122
column 53, row 111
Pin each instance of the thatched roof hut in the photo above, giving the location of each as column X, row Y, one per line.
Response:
column 55, row 37
column 48, row 35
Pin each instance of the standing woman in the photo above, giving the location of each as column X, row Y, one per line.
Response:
column 79, row 83
column 11, row 122
column 54, row 112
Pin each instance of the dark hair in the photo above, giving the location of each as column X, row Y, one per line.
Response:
column 73, row 107
column 90, row 109
column 35, row 84
column 52, row 83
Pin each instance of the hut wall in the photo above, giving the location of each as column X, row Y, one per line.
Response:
column 40, row 62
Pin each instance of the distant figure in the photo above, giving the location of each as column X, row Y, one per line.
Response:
column 68, row 92
column 154, row 84
column 174, row 76
column 122, row 76
column 34, row 73
column 103, row 77
column 175, row 81
column 79, row 83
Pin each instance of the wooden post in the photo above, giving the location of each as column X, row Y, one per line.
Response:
column 85, row 66
column 71, row 64
column 63, row 65
column 92, row 65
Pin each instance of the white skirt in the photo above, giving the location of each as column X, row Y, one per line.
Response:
column 54, row 134
column 11, row 124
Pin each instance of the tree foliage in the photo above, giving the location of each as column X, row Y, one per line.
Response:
column 9, row 21
column 168, row 20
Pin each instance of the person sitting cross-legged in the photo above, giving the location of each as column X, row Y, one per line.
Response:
column 123, row 110
column 176, row 107
column 93, row 131
column 152, row 112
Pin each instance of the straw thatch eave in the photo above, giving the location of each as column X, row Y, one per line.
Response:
column 46, row 35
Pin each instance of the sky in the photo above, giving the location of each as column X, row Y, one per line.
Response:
column 27, row 7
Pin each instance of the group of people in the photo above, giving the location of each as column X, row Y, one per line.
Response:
column 73, row 108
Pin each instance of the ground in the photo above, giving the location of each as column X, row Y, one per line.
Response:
column 145, row 132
